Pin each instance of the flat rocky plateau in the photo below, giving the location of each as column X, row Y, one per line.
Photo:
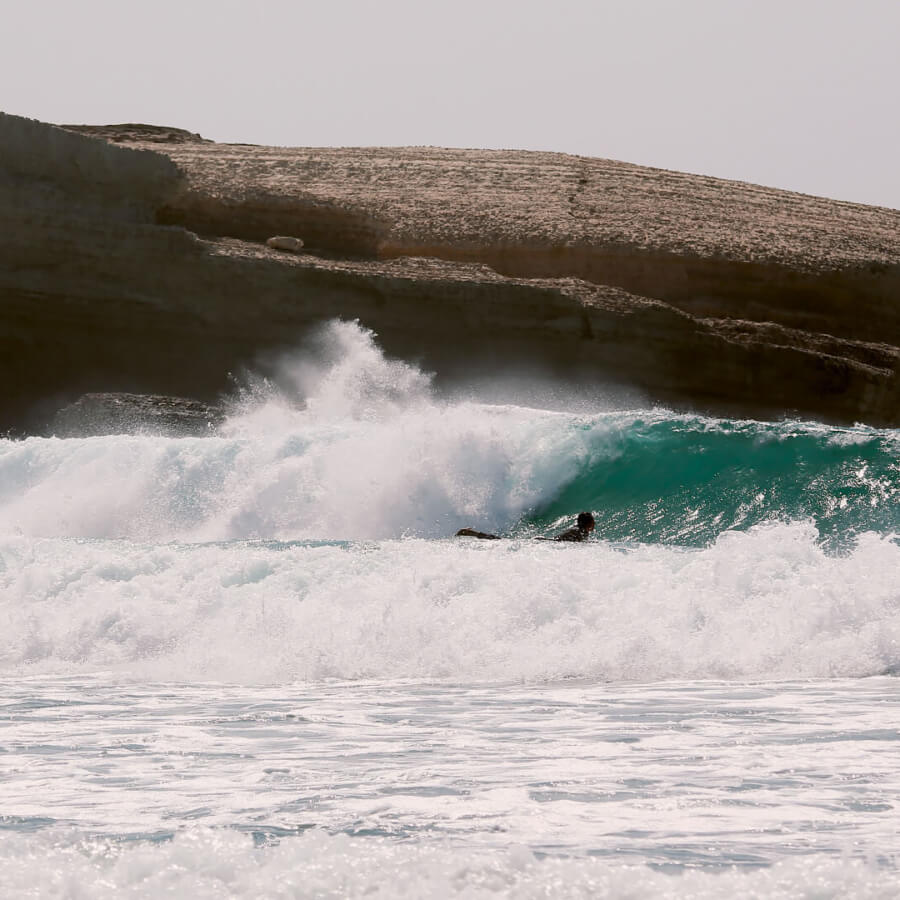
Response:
column 133, row 258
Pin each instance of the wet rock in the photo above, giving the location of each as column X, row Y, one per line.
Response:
column 124, row 413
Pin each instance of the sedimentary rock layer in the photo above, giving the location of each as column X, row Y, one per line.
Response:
column 142, row 266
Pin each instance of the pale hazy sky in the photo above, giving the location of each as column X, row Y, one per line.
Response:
column 798, row 94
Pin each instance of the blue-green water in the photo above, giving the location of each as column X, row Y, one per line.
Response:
column 686, row 479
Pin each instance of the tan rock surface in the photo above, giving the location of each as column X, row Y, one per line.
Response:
column 425, row 196
column 697, row 292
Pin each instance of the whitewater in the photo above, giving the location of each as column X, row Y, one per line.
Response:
column 258, row 663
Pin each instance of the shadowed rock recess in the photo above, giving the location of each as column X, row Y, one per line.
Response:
column 134, row 259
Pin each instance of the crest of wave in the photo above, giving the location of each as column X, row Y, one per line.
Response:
column 343, row 443
column 346, row 443
column 341, row 374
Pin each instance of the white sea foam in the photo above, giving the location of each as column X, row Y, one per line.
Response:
column 769, row 603
column 425, row 473
column 352, row 446
column 204, row 863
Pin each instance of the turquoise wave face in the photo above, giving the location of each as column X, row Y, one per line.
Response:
column 684, row 480
column 282, row 474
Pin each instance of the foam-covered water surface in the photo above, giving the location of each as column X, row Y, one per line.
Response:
column 214, row 864
column 117, row 779
column 259, row 664
column 669, row 765
column 768, row 603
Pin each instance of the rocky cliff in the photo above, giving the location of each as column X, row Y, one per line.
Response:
column 133, row 258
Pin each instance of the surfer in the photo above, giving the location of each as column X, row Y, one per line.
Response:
column 471, row 532
column 581, row 532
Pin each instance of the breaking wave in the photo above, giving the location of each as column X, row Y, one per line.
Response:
column 309, row 539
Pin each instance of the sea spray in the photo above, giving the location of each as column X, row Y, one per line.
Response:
column 354, row 446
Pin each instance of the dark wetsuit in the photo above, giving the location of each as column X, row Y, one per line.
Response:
column 471, row 532
column 573, row 534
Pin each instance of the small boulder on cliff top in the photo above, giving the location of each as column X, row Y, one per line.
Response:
column 283, row 242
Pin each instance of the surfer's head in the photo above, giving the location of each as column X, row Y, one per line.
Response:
column 585, row 521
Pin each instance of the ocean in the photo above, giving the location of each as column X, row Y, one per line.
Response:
column 258, row 663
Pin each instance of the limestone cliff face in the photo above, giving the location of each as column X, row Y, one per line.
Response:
column 127, row 269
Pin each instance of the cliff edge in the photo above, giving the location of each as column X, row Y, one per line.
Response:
column 134, row 258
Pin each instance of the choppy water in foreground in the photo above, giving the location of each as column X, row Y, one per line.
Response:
column 535, row 790
column 255, row 664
